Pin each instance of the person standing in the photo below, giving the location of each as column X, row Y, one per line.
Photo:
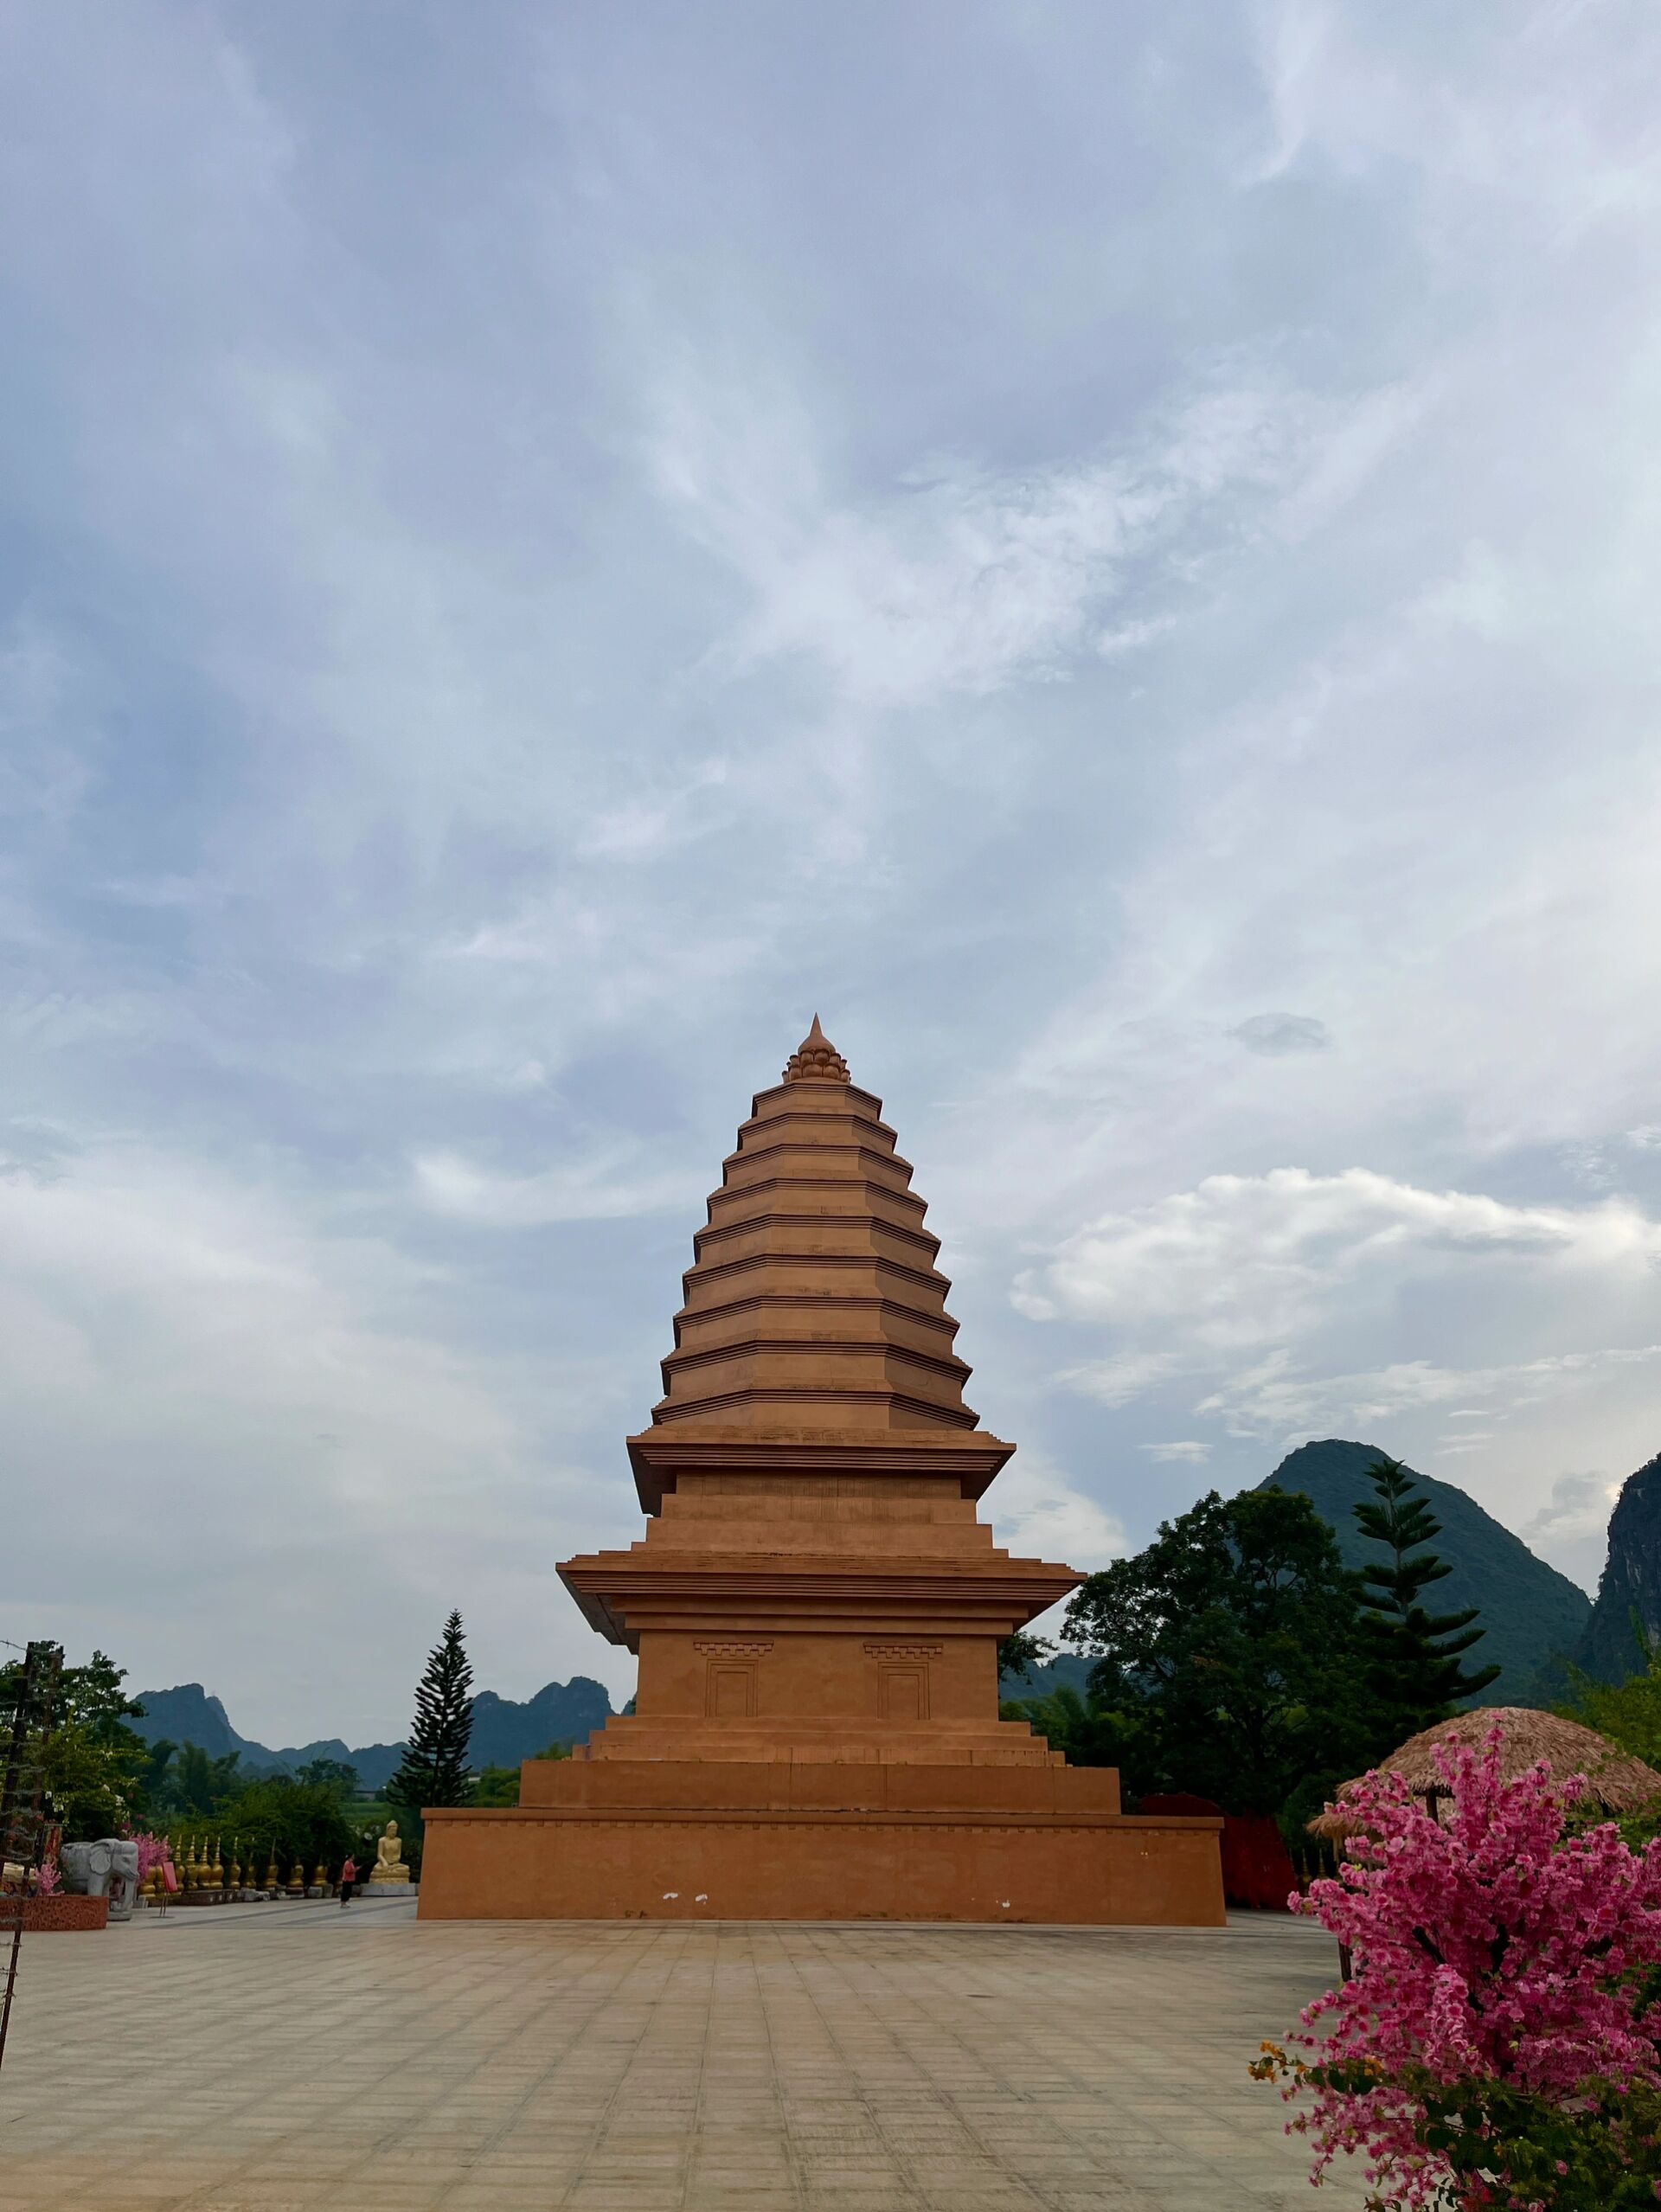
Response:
column 348, row 1877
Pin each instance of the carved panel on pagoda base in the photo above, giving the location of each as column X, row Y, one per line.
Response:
column 729, row 1679
column 902, row 1679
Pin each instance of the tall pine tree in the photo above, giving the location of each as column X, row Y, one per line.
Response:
column 434, row 1770
column 1416, row 1668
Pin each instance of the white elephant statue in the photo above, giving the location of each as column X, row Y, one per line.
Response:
column 106, row 1869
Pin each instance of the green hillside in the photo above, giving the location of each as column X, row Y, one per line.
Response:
column 1066, row 1670
column 1530, row 1612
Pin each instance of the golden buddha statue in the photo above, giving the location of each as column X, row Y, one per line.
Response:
column 389, row 1866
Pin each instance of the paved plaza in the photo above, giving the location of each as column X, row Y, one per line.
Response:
column 252, row 2060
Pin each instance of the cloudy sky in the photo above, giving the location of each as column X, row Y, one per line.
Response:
column 1111, row 551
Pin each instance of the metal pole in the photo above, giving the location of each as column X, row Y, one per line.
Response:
column 14, row 1752
column 42, row 1665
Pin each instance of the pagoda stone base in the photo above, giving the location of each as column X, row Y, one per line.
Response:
column 671, row 1840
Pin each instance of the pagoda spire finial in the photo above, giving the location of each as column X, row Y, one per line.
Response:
column 816, row 1060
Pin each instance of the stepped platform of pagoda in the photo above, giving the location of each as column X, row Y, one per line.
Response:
column 816, row 1603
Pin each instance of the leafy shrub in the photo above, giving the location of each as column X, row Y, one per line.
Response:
column 275, row 1817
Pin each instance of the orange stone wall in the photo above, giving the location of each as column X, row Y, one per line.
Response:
column 711, row 1864
column 772, row 1679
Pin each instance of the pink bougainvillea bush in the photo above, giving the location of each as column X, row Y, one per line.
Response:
column 1495, row 2044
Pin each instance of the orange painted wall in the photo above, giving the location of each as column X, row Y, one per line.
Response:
column 536, row 1864
column 668, row 1787
column 814, row 1677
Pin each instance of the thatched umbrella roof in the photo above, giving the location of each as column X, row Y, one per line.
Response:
column 1616, row 1782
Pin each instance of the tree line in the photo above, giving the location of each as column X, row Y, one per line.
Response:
column 101, row 1777
column 1237, row 1657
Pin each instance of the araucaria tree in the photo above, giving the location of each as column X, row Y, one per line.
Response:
column 1416, row 1670
column 434, row 1770
column 1229, row 1653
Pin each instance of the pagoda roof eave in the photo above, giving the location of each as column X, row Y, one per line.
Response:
column 659, row 1454
column 621, row 1592
column 599, row 1614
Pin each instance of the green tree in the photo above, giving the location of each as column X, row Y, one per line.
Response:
column 1019, row 1654
column 1230, row 1651
column 434, row 1769
column 275, row 1817
column 1090, row 1732
column 1416, row 1671
column 499, row 1785
column 335, row 1774
column 200, row 1784
column 93, row 1766
column 90, row 1790
column 158, row 1760
column 1629, row 1714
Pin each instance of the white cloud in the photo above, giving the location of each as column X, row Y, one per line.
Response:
column 1188, row 1453
column 1114, row 1382
column 178, row 1351
column 610, row 1186
column 1277, row 1399
column 1130, row 637
column 1571, row 1530
column 1039, row 1514
column 1577, row 1502
column 1495, row 132
column 1251, row 1260
column 962, row 580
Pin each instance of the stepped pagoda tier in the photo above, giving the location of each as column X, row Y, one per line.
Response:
column 816, row 1603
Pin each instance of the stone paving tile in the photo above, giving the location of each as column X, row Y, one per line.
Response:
column 360, row 2061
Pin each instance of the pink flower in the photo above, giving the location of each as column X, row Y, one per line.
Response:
column 153, row 1851
column 1489, row 1948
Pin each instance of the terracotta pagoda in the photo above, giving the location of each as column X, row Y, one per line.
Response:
column 815, row 1605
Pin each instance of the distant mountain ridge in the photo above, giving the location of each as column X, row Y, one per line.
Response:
column 1531, row 1614
column 504, row 1732
column 1632, row 1580
column 1066, row 1670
